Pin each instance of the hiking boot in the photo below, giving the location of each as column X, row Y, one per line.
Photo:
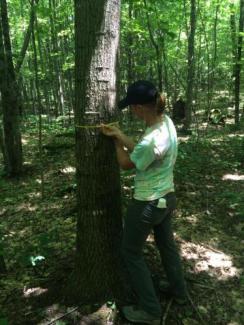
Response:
column 136, row 315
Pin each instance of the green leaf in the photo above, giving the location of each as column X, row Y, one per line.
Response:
column 3, row 321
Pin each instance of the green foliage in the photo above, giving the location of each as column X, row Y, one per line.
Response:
column 169, row 22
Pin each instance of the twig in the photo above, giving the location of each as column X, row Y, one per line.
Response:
column 211, row 248
column 199, row 284
column 196, row 310
column 166, row 311
column 70, row 312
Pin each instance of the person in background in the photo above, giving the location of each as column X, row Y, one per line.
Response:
column 153, row 202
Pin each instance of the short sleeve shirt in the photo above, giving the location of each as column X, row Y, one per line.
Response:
column 154, row 157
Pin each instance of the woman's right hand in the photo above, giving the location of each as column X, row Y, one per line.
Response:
column 111, row 131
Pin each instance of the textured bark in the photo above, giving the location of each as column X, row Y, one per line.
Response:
column 10, row 99
column 191, row 66
column 99, row 208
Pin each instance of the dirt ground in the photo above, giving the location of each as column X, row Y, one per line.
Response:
column 38, row 235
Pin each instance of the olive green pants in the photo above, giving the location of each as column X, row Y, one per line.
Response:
column 141, row 218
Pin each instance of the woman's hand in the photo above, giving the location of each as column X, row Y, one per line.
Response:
column 119, row 137
column 111, row 131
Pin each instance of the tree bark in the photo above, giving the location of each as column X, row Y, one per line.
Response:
column 191, row 66
column 10, row 99
column 99, row 205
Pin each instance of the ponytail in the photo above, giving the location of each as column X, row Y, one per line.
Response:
column 160, row 103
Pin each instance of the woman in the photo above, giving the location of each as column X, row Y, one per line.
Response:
column 154, row 199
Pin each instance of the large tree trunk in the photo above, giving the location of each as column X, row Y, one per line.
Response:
column 191, row 66
column 10, row 99
column 99, row 207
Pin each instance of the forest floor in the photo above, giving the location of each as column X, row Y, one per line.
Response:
column 38, row 234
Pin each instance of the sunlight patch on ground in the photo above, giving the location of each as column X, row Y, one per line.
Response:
column 27, row 163
column 215, row 263
column 192, row 219
column 233, row 135
column 219, row 139
column 26, row 206
column 233, row 177
column 68, row 170
column 33, row 292
column 183, row 138
column 34, row 195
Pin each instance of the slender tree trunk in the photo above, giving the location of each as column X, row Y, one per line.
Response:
column 54, row 89
column 233, row 36
column 39, row 104
column 214, row 60
column 99, row 207
column 27, row 36
column 130, row 50
column 3, row 268
column 10, row 99
column 56, row 65
column 191, row 66
column 165, row 65
column 43, row 69
column 238, row 64
column 157, row 50
column 198, row 73
column 207, row 51
column 2, row 147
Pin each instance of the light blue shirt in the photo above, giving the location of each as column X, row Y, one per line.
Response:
column 154, row 157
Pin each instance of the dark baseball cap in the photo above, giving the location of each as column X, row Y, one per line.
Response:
column 140, row 92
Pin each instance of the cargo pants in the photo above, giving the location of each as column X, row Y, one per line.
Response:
column 141, row 218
